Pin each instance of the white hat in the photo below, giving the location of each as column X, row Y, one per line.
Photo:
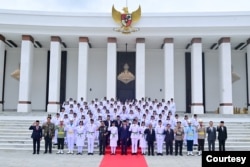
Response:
column 71, row 119
column 189, row 121
column 200, row 120
column 61, row 120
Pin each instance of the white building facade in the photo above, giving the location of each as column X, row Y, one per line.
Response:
column 189, row 57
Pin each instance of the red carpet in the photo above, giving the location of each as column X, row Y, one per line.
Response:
column 119, row 160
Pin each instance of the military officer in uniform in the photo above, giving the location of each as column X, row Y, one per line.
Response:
column 49, row 132
column 103, row 132
column 179, row 136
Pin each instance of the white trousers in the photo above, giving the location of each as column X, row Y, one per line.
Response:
column 134, row 142
column 71, row 141
column 55, row 137
column 159, row 144
column 91, row 145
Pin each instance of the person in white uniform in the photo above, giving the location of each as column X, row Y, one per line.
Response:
column 70, row 131
column 80, row 137
column 143, row 142
column 159, row 130
column 134, row 129
column 91, row 131
column 56, row 121
column 113, row 137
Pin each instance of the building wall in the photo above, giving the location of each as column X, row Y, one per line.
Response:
column 11, row 90
column 72, row 72
column 240, row 86
column 154, row 74
column 97, row 72
column 39, row 74
column 39, row 77
column 179, row 80
column 212, row 79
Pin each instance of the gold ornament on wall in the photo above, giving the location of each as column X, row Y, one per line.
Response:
column 126, row 19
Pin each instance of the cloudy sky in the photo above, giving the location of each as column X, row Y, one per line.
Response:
column 148, row 6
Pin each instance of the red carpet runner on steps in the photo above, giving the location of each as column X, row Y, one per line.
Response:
column 119, row 160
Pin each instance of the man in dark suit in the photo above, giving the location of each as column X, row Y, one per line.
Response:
column 211, row 136
column 150, row 138
column 222, row 135
column 108, row 123
column 169, row 138
column 124, row 136
column 36, row 136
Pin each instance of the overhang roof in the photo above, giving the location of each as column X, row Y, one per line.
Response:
column 153, row 27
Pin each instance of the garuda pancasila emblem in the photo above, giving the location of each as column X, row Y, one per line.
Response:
column 126, row 19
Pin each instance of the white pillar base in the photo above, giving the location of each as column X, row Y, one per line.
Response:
column 24, row 108
column 226, row 110
column 197, row 109
column 53, row 108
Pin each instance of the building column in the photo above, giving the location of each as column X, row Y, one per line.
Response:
column 168, row 68
column 248, row 73
column 2, row 53
column 196, row 74
column 111, row 68
column 54, row 75
column 82, row 68
column 225, row 76
column 140, row 69
column 26, row 68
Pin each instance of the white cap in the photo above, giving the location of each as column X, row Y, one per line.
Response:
column 200, row 120
column 189, row 121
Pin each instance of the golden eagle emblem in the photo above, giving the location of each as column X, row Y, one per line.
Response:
column 126, row 19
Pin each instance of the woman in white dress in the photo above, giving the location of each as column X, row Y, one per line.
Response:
column 143, row 142
column 80, row 137
column 113, row 137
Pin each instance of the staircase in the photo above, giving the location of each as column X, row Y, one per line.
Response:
column 14, row 134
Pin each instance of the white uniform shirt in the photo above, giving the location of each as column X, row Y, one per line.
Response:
column 134, row 129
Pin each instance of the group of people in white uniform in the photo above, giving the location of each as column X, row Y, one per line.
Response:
column 102, row 119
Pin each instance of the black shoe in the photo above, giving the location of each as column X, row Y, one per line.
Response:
column 37, row 152
column 180, row 154
column 153, row 154
column 100, row 153
column 148, row 154
column 34, row 152
column 45, row 152
column 88, row 153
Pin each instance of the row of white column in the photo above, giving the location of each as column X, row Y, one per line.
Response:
column 24, row 103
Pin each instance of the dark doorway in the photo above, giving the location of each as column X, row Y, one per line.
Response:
column 125, row 91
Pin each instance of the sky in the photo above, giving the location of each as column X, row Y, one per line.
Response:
column 148, row 6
